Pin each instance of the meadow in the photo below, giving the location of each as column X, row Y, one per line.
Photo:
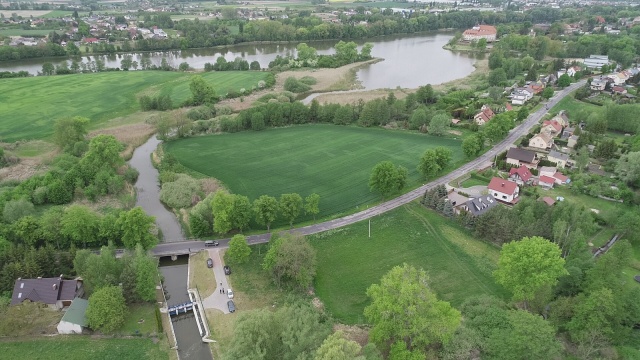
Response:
column 30, row 106
column 459, row 266
column 25, row 33
column 573, row 106
column 332, row 161
column 79, row 347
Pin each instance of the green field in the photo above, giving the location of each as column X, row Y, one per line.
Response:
column 332, row 161
column 458, row 265
column 25, row 33
column 77, row 347
column 29, row 106
column 573, row 106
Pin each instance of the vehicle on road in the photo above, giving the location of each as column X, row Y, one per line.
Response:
column 230, row 294
column 210, row 243
column 209, row 263
column 231, row 306
column 227, row 270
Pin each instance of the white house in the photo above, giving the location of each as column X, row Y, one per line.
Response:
column 541, row 141
column 504, row 190
column 74, row 318
column 546, row 182
column 521, row 95
column 547, row 171
column 478, row 32
column 598, row 84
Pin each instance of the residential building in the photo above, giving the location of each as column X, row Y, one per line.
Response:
column 618, row 90
column 504, row 190
column 480, row 32
column 596, row 61
column 74, row 319
column 573, row 140
column 518, row 156
column 561, row 118
column 548, row 200
column 560, row 178
column 521, row 95
column 457, row 201
column 559, row 158
column 55, row 292
column 547, row 171
column 619, row 78
column 551, row 127
column 480, row 205
column 484, row 115
column 567, row 132
column 543, row 141
column 598, row 84
column 521, row 175
column 546, row 182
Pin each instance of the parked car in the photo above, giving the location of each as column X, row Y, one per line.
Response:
column 231, row 306
column 227, row 270
column 230, row 293
column 209, row 263
column 210, row 243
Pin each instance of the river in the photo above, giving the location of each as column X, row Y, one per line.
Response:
column 409, row 60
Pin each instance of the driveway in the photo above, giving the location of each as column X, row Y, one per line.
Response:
column 217, row 300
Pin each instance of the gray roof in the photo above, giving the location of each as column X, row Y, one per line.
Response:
column 47, row 290
column 521, row 155
column 456, row 199
column 76, row 312
column 558, row 155
column 480, row 205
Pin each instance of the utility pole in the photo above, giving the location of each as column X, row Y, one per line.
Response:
column 369, row 227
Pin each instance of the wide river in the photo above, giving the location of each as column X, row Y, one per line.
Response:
column 410, row 60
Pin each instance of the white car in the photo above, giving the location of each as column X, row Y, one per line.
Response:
column 230, row 293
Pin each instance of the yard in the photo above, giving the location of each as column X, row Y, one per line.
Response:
column 473, row 182
column 332, row 161
column 77, row 347
column 140, row 321
column 573, row 107
column 29, row 106
column 349, row 261
column 201, row 275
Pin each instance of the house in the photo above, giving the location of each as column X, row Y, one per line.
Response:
column 90, row 40
column 596, row 61
column 484, row 115
column 618, row 90
column 567, row 132
column 504, row 190
column 55, row 292
column 547, row 171
column 480, row 205
column 546, row 181
column 74, row 318
column 619, row 78
column 478, row 32
column 573, row 70
column 537, row 87
column 548, row 200
column 543, row 141
column 559, row 158
column 457, row 201
column 521, row 95
column 521, row 175
column 561, row 118
column 598, row 84
column 573, row 140
column 560, row 178
column 551, row 127
column 517, row 157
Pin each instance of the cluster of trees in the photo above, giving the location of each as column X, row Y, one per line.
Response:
column 239, row 64
column 346, row 53
column 13, row 53
column 10, row 74
column 291, row 261
column 387, row 178
column 434, row 160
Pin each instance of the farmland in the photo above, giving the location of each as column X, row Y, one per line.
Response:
column 332, row 161
column 458, row 265
column 30, row 106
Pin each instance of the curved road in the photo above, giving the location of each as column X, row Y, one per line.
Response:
column 475, row 164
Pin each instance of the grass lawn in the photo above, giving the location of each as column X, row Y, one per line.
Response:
column 141, row 319
column 573, row 106
column 78, row 347
column 349, row 261
column 25, row 33
column 201, row 275
column 608, row 209
column 332, row 161
column 473, row 182
column 29, row 106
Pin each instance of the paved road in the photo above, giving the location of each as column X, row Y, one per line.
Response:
column 475, row 164
column 218, row 300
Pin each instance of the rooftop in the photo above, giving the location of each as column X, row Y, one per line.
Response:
column 502, row 185
column 480, row 205
column 558, row 155
column 521, row 155
column 75, row 314
column 47, row 290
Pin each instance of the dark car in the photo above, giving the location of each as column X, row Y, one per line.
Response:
column 209, row 263
column 209, row 243
column 227, row 270
column 231, row 306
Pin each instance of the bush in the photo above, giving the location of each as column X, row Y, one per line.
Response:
column 308, row 80
column 203, row 112
column 294, row 85
column 131, row 175
column 179, row 194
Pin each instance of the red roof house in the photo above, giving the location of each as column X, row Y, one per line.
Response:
column 484, row 115
column 553, row 127
column 520, row 175
column 90, row 40
column 546, row 181
column 547, row 200
column 560, row 178
column 504, row 190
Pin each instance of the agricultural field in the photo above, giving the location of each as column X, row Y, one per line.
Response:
column 30, row 106
column 349, row 261
column 78, row 347
column 332, row 161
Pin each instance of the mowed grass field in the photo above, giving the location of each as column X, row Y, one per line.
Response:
column 26, row 33
column 30, row 106
column 79, row 347
column 458, row 265
column 332, row 161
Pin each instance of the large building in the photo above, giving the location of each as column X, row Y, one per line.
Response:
column 480, row 32
column 596, row 61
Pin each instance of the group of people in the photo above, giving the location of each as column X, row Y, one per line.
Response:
column 221, row 289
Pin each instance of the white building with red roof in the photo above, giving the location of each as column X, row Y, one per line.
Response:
column 478, row 32
column 484, row 115
column 546, row 181
column 504, row 190
column 520, row 175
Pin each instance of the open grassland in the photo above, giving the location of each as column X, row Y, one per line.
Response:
column 458, row 265
column 573, row 106
column 332, row 161
column 25, row 33
column 141, row 320
column 78, row 347
column 30, row 106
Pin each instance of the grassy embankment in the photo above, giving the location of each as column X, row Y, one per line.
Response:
column 332, row 161
column 30, row 106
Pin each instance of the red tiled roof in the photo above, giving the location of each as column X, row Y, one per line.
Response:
column 522, row 171
column 560, row 176
column 508, row 107
column 503, row 186
column 481, row 30
column 554, row 123
column 546, row 179
column 549, row 201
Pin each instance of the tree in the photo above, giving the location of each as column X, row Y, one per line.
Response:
column 418, row 119
column 104, row 152
column 336, row 347
column 306, row 52
column 240, row 214
column 80, row 224
column 48, row 68
column 439, row 124
column 365, row 52
column 547, row 93
column 606, row 149
column 16, row 209
column 595, row 311
column 403, row 308
column 527, row 336
column 266, row 209
column 386, row 178
column 146, row 270
column 628, row 168
column 291, row 260
column 68, row 131
column 201, row 92
column 312, row 205
column 428, row 165
column 136, row 227
column 564, row 80
column 527, row 62
column 239, row 250
column 221, row 207
column 528, row 265
column 472, row 145
column 497, row 77
column 106, row 310
column 482, row 44
column 290, row 206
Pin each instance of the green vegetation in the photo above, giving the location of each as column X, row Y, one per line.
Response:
column 349, row 262
column 573, row 106
column 140, row 320
column 83, row 347
column 334, row 162
column 25, row 33
column 29, row 106
column 473, row 182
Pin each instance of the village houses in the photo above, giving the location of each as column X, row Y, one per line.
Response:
column 484, row 115
column 504, row 190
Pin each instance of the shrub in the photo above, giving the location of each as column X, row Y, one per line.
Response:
column 308, row 80
column 294, row 85
column 131, row 175
column 178, row 194
column 203, row 112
